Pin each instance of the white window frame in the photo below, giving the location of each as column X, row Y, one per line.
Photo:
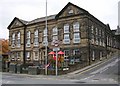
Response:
column 55, row 38
column 36, row 37
column 76, row 38
column 45, row 32
column 96, row 40
column 13, row 56
column 28, row 41
column 92, row 29
column 13, row 40
column 36, row 58
column 93, row 55
column 18, row 55
column 66, row 39
column 28, row 55
column 76, row 27
column 55, row 31
column 66, row 28
column 18, row 39
column 75, row 52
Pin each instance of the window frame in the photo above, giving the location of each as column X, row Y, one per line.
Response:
column 76, row 27
column 67, row 38
column 18, row 39
column 36, row 37
column 28, row 39
column 76, row 36
column 55, row 31
column 13, row 40
column 66, row 28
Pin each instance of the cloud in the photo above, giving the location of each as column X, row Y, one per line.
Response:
column 104, row 10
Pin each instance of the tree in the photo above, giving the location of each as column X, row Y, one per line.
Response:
column 5, row 46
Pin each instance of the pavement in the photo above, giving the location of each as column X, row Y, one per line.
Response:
column 65, row 76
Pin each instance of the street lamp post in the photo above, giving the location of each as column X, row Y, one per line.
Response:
column 46, row 41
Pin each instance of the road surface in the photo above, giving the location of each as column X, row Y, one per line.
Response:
column 105, row 73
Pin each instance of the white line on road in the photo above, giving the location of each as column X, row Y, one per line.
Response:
column 101, row 70
column 87, row 77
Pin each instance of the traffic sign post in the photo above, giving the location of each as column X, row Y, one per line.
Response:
column 56, row 44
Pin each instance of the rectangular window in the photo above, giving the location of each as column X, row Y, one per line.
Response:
column 100, row 32
column 92, row 39
column 96, row 40
column 18, row 43
column 96, row 31
column 27, row 55
column 76, row 52
column 100, row 41
column 45, row 32
column 76, row 26
column 103, row 35
column 107, row 40
column 93, row 55
column 28, row 42
column 92, row 29
column 13, row 40
column 66, row 53
column 18, row 55
column 36, row 55
column 66, row 28
column 18, row 39
column 66, row 39
column 55, row 38
column 36, row 41
column 55, row 31
column 76, row 38
column 13, row 56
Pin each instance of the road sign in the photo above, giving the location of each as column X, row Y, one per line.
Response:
column 55, row 43
column 45, row 43
column 56, row 49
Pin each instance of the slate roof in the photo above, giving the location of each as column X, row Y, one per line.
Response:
column 42, row 19
column 52, row 17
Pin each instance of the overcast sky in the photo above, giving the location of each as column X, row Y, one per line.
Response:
column 105, row 10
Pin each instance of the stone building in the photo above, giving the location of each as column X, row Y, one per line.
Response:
column 78, row 32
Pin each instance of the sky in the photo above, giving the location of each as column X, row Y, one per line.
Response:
column 105, row 10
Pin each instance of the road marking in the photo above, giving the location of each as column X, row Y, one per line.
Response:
column 103, row 70
column 87, row 77
column 96, row 65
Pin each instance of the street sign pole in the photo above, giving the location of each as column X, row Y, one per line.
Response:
column 56, row 48
column 56, row 63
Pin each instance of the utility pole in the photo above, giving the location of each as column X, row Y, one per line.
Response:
column 46, row 41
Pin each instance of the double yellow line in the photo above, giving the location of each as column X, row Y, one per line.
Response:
column 95, row 66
